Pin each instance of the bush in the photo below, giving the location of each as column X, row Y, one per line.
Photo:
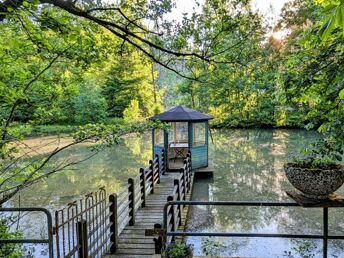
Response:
column 177, row 250
column 9, row 250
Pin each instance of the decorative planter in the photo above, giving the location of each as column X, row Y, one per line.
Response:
column 315, row 183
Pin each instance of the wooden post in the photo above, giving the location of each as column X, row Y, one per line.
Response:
column 81, row 230
column 177, row 183
column 163, row 156
column 186, row 170
column 131, row 198
column 152, row 169
column 173, row 217
column 185, row 183
column 158, row 242
column 143, row 187
column 114, row 223
column 157, row 156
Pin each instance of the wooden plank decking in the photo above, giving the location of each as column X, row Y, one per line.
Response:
column 132, row 241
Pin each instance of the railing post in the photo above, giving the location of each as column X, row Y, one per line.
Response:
column 186, row 169
column 81, row 230
column 157, row 156
column 143, row 187
column 173, row 217
column 189, row 168
column 185, row 183
column 177, row 183
column 151, row 168
column 113, row 223
column 131, row 198
column 158, row 242
column 325, row 231
column 163, row 161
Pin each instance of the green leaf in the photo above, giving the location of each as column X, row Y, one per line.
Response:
column 341, row 94
column 26, row 4
column 327, row 28
column 341, row 14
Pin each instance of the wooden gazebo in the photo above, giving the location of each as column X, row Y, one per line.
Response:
column 188, row 131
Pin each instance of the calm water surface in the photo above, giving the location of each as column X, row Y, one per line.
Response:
column 248, row 167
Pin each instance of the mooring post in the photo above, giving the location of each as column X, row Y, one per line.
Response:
column 113, row 223
column 81, row 231
column 157, row 156
column 143, row 187
column 131, row 198
column 151, row 168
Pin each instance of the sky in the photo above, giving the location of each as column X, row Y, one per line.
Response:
column 263, row 6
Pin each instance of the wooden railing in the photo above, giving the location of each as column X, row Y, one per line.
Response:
column 88, row 227
column 124, row 205
column 182, row 186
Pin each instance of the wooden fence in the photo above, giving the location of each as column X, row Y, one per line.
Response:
column 182, row 186
column 91, row 226
column 124, row 205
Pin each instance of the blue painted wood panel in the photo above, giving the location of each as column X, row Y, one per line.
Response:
column 157, row 150
column 199, row 156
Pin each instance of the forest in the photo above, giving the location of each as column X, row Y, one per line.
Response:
column 64, row 70
column 96, row 70
column 91, row 67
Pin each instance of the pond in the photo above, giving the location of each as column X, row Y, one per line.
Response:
column 248, row 167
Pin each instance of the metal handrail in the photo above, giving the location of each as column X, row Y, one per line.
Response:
column 323, row 236
column 48, row 241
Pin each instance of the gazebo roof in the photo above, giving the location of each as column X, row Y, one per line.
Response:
column 181, row 114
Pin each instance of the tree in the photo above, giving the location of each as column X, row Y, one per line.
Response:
column 89, row 106
column 166, row 45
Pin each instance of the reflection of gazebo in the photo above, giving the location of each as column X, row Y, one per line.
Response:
column 188, row 131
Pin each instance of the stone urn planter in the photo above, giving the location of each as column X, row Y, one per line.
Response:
column 315, row 183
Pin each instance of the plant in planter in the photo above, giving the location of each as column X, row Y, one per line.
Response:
column 177, row 250
column 317, row 173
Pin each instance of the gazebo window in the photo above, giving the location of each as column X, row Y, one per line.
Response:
column 179, row 132
column 159, row 137
column 199, row 134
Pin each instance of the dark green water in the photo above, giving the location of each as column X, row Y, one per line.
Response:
column 248, row 167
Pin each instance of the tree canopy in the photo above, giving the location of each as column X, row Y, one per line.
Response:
column 102, row 66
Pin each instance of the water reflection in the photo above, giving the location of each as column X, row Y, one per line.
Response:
column 248, row 167
column 110, row 168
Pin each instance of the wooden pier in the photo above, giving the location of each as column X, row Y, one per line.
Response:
column 117, row 225
column 150, row 192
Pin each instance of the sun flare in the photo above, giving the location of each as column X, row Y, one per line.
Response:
column 279, row 35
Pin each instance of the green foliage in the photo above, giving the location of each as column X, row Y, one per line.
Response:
column 303, row 249
column 9, row 250
column 132, row 113
column 89, row 106
column 177, row 250
column 212, row 247
column 335, row 17
column 31, row 130
column 312, row 80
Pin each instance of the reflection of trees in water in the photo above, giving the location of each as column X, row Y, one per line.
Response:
column 110, row 168
column 248, row 167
